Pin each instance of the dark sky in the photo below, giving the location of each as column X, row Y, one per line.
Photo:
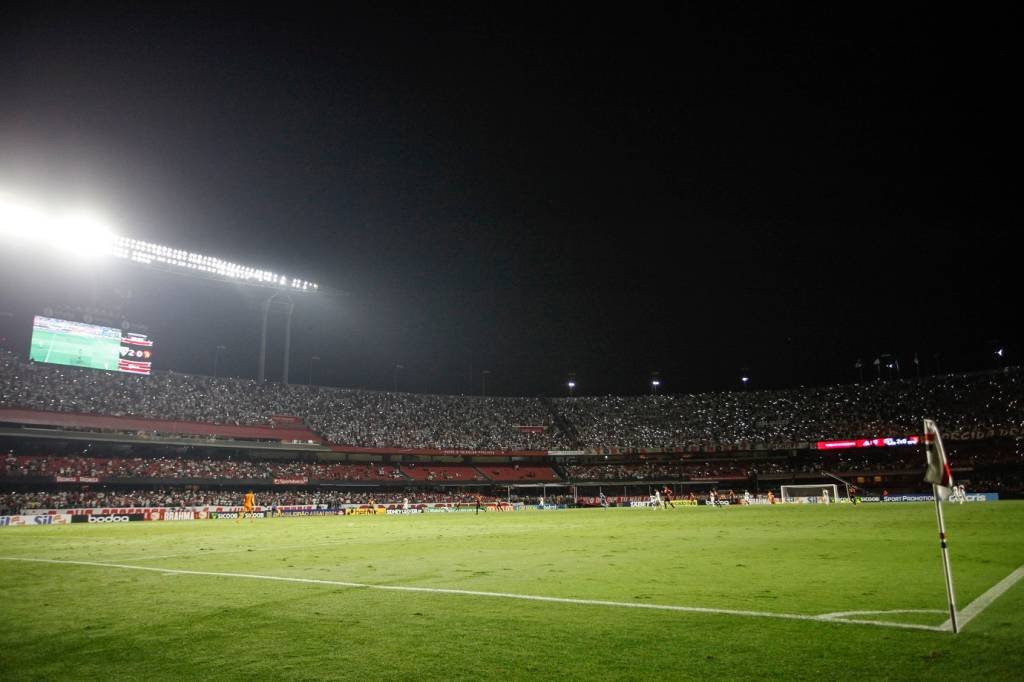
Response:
column 534, row 191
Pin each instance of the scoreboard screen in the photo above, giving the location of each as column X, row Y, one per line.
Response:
column 64, row 342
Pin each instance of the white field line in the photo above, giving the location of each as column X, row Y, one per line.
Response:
column 969, row 612
column 476, row 593
column 262, row 550
column 846, row 614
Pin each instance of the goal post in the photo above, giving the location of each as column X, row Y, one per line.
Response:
column 810, row 494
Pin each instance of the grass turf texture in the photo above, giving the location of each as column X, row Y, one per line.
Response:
column 66, row 621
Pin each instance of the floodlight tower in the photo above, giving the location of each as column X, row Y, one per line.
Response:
column 183, row 262
column 84, row 235
column 289, row 308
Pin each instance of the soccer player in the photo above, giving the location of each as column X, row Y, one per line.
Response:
column 666, row 498
column 248, row 506
column 711, row 498
column 656, row 499
column 480, row 504
column 604, row 500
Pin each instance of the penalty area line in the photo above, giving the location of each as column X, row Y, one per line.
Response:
column 478, row 593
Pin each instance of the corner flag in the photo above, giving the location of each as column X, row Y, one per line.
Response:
column 938, row 473
column 940, row 476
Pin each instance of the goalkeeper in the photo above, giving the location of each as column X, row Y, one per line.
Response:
column 248, row 507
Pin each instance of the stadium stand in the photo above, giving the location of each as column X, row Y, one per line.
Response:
column 441, row 472
column 961, row 403
column 443, row 446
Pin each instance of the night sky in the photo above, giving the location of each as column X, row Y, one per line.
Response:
column 532, row 191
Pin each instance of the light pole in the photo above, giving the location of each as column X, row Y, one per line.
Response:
column 216, row 357
column 483, row 382
column 655, row 382
column 3, row 339
column 746, row 381
column 572, row 384
column 315, row 358
column 262, row 374
column 394, row 376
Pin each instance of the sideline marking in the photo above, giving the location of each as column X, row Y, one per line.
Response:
column 476, row 593
column 981, row 603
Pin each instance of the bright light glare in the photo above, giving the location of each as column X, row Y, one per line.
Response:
column 83, row 234
column 19, row 221
column 78, row 233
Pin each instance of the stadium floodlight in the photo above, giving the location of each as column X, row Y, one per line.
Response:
column 83, row 234
column 74, row 232
column 169, row 258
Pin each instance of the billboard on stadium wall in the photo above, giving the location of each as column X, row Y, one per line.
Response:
column 968, row 497
column 234, row 515
column 106, row 518
column 890, row 442
column 35, row 520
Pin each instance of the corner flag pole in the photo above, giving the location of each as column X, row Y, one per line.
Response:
column 945, row 561
column 940, row 476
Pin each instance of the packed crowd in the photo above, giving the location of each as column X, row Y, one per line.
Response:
column 112, row 468
column 187, row 468
column 350, row 417
column 974, row 402
column 239, row 470
column 384, row 419
column 692, row 470
column 14, row 502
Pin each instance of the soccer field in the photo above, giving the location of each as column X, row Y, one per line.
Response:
column 75, row 349
column 765, row 592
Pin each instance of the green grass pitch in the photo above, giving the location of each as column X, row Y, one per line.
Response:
column 74, row 349
column 745, row 565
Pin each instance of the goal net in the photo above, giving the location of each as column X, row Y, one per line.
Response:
column 810, row 494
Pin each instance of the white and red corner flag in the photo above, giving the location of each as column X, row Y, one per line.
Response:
column 940, row 476
column 938, row 472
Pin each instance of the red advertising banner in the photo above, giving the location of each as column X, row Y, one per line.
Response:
column 867, row 443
